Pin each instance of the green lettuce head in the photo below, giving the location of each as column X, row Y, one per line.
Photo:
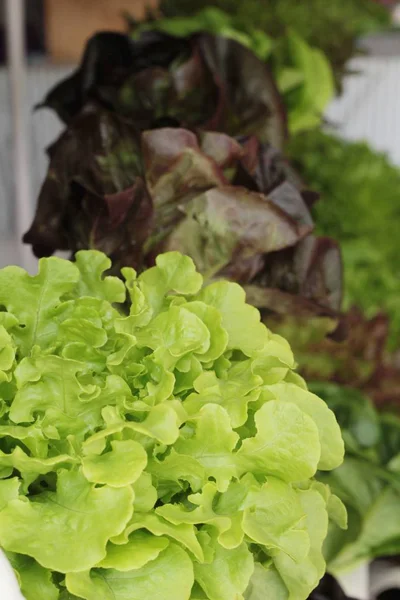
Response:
column 165, row 451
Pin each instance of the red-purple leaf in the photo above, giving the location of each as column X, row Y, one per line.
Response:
column 228, row 224
column 203, row 81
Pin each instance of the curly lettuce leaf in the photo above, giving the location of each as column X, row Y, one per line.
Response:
column 227, row 575
column 38, row 302
column 153, row 447
column 77, row 516
column 282, row 446
column 170, row 574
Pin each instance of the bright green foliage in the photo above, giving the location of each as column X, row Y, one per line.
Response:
column 167, row 450
column 359, row 204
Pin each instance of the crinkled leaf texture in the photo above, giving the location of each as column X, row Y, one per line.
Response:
column 153, row 159
column 164, row 452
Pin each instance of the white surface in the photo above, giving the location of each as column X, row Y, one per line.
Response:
column 357, row 583
column 9, row 588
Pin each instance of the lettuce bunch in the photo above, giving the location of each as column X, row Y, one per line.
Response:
column 154, row 439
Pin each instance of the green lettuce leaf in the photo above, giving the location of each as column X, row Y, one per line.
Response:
column 35, row 581
column 282, row 446
column 170, row 574
column 119, row 467
column 77, row 516
column 140, row 549
column 227, row 576
column 37, row 306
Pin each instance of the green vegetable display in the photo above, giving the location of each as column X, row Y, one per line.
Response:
column 368, row 482
column 359, row 205
column 153, row 432
column 169, row 447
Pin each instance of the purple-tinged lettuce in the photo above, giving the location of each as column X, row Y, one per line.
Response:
column 232, row 204
column 200, row 81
